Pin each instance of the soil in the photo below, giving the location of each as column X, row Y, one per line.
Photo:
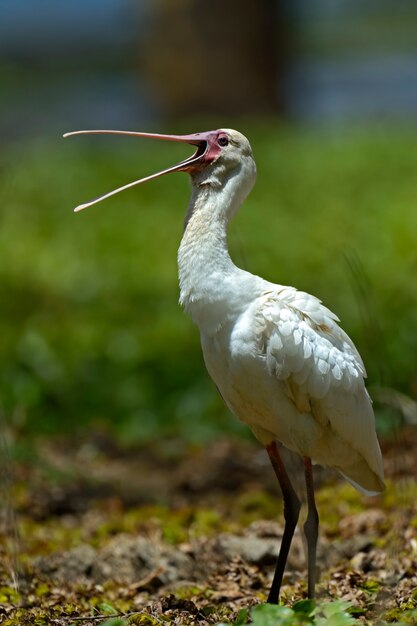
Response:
column 190, row 535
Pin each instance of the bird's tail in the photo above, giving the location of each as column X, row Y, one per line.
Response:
column 363, row 478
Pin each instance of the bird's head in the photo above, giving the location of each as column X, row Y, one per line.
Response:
column 220, row 156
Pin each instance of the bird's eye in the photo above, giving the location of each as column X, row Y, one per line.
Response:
column 223, row 141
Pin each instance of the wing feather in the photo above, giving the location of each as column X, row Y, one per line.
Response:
column 323, row 372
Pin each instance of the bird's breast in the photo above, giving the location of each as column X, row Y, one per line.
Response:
column 238, row 368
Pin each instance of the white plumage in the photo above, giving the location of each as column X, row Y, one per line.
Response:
column 313, row 375
column 277, row 355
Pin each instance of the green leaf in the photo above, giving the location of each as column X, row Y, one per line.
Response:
column 334, row 614
column 272, row 615
column 306, row 607
column 332, row 608
column 339, row 619
column 242, row 617
column 105, row 607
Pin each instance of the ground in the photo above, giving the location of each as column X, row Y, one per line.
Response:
column 188, row 535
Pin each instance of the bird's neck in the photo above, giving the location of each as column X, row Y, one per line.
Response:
column 204, row 262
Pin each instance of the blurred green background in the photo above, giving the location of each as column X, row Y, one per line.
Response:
column 91, row 332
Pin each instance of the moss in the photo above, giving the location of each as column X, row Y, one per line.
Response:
column 255, row 505
column 42, row 589
column 32, row 617
column 381, row 542
column 371, row 585
column 397, row 615
column 109, row 601
column 188, row 592
column 9, row 595
column 49, row 535
column 143, row 619
column 206, row 522
column 404, row 490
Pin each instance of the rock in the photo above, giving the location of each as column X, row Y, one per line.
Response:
column 354, row 546
column 266, row 528
column 70, row 566
column 257, row 550
column 124, row 558
column 130, row 559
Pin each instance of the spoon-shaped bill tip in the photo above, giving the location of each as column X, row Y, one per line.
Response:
column 80, row 207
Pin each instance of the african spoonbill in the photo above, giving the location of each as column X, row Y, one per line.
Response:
column 277, row 355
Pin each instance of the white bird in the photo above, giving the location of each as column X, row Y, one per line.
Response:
column 277, row 355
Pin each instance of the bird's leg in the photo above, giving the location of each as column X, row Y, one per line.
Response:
column 311, row 527
column 291, row 513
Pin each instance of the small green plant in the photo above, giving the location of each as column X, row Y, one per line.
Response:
column 105, row 607
column 302, row 613
column 333, row 614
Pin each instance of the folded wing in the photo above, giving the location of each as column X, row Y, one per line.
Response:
column 324, row 376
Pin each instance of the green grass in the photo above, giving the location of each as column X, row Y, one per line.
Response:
column 90, row 328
